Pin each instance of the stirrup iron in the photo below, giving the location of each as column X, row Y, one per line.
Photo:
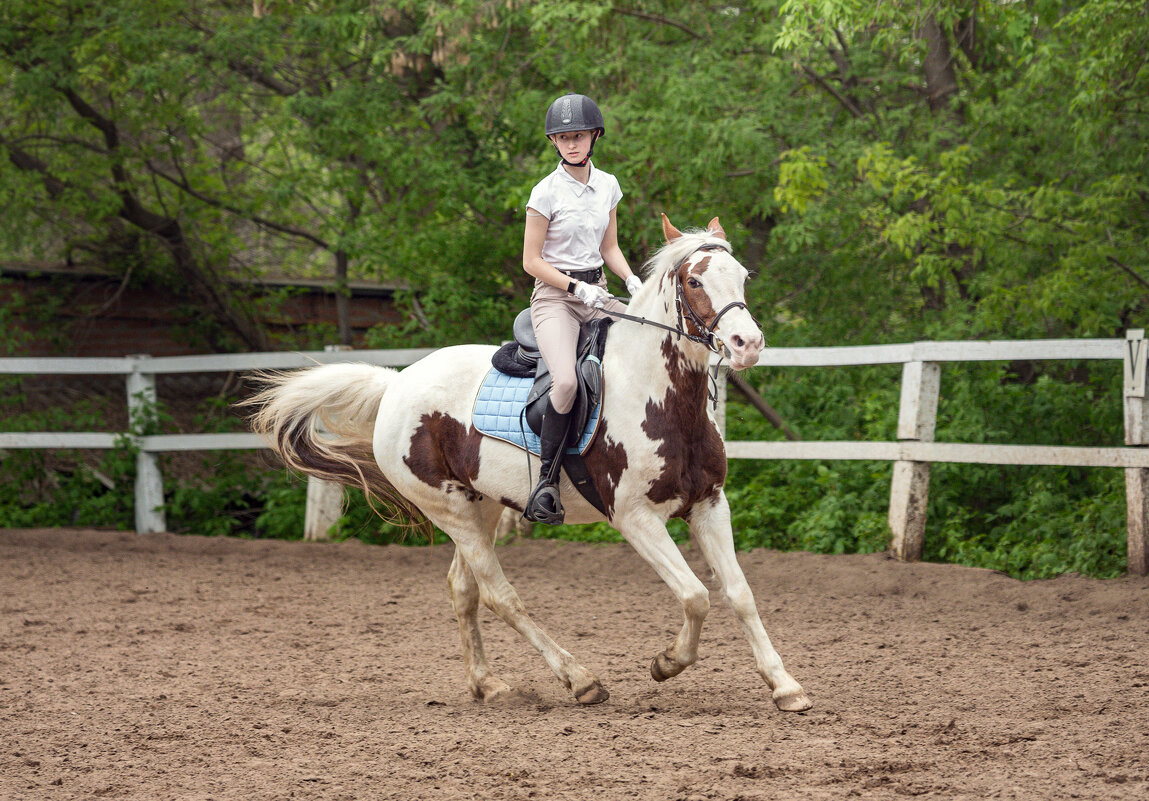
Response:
column 544, row 505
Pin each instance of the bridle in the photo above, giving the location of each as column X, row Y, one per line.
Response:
column 686, row 312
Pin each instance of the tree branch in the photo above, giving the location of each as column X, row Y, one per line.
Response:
column 846, row 102
column 660, row 20
column 249, row 71
column 261, row 78
column 25, row 161
column 63, row 140
column 1135, row 275
column 214, row 202
column 759, row 403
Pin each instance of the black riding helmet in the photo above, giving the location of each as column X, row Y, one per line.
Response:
column 575, row 113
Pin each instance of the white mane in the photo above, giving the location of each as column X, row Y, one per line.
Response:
column 674, row 251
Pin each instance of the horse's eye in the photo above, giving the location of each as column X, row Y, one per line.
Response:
column 693, row 283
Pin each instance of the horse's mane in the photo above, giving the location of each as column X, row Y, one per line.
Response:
column 674, row 251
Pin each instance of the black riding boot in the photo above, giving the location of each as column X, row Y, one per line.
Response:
column 544, row 505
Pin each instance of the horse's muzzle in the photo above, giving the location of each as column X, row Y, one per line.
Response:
column 743, row 349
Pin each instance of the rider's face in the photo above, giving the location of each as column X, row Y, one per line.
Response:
column 573, row 145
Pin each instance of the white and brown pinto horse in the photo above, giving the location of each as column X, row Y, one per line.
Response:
column 407, row 439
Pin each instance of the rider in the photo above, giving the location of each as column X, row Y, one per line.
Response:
column 571, row 232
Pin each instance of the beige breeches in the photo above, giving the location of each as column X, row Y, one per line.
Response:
column 556, row 316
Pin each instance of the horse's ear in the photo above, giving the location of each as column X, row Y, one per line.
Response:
column 668, row 230
column 715, row 228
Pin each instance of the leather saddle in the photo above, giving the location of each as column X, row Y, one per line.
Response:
column 521, row 359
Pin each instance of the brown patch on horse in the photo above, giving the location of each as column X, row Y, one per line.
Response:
column 444, row 453
column 697, row 297
column 606, row 461
column 694, row 459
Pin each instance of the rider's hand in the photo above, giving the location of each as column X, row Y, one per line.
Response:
column 591, row 294
column 633, row 284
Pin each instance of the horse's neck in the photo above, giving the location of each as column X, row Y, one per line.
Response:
column 665, row 364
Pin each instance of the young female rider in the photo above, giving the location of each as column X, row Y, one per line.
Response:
column 571, row 232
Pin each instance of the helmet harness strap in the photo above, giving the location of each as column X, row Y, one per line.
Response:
column 589, row 153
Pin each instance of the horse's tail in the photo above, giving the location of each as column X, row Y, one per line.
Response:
column 321, row 422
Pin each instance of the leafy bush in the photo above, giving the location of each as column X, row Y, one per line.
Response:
column 67, row 493
column 1031, row 522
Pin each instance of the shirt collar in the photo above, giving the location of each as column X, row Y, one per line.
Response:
column 578, row 186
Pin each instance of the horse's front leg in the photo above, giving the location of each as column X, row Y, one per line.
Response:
column 648, row 536
column 710, row 529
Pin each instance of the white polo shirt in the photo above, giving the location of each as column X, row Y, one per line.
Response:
column 578, row 216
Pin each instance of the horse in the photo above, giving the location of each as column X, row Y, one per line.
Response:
column 406, row 438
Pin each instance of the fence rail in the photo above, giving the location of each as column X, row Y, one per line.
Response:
column 912, row 453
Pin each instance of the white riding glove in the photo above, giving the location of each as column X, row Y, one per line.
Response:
column 633, row 284
column 591, row 294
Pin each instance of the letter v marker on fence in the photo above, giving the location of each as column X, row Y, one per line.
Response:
column 1137, row 435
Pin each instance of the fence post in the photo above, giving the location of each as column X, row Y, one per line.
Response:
column 910, row 487
column 149, row 495
column 324, row 498
column 1136, row 433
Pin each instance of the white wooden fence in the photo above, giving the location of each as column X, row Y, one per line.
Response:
column 140, row 373
column 912, row 453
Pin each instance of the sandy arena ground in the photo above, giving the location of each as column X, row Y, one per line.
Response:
column 169, row 667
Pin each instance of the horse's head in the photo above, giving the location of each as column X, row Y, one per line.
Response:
column 710, row 287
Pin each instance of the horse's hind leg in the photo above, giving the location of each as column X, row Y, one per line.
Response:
column 710, row 529
column 465, row 597
column 477, row 575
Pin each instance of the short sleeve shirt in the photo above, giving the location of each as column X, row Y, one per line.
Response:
column 578, row 216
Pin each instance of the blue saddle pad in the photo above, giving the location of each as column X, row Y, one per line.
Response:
column 498, row 413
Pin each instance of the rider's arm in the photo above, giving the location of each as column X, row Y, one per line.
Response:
column 611, row 253
column 533, row 262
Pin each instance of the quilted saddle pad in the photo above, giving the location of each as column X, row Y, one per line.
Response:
column 498, row 413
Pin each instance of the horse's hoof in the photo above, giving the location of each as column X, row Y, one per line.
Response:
column 491, row 689
column 592, row 694
column 662, row 667
column 793, row 701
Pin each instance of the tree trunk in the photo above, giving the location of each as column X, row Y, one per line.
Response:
column 965, row 35
column 342, row 298
column 941, row 79
column 201, row 280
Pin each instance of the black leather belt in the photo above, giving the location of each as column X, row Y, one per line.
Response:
column 586, row 276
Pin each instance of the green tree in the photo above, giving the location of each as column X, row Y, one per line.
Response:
column 891, row 171
column 98, row 101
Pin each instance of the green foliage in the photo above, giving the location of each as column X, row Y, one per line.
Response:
column 62, row 488
column 447, row 314
column 360, row 521
column 1030, row 522
column 890, row 171
column 38, row 495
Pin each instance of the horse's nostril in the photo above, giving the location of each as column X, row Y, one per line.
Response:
column 739, row 342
